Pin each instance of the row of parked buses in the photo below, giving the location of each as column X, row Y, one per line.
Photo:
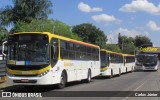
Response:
column 42, row 58
column 113, row 63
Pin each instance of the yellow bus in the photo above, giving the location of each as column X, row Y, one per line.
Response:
column 150, row 62
column 112, row 63
column 129, row 62
column 43, row 58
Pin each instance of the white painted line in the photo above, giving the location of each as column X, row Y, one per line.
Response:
column 126, row 97
column 135, row 90
column 139, row 86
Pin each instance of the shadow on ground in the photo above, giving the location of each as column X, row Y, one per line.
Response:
column 38, row 88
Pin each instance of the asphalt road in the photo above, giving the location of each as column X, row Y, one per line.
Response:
column 135, row 81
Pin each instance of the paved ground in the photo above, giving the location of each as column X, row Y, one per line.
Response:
column 135, row 81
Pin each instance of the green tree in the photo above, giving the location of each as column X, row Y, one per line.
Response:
column 129, row 48
column 45, row 25
column 25, row 10
column 129, row 44
column 140, row 40
column 113, row 47
column 123, row 40
column 126, row 44
column 3, row 34
column 90, row 33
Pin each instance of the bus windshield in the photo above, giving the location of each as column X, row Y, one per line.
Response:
column 34, row 51
column 140, row 58
column 150, row 60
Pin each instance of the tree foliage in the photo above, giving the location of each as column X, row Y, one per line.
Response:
column 126, row 44
column 140, row 40
column 25, row 10
column 45, row 25
column 90, row 33
column 129, row 48
column 3, row 34
column 129, row 44
column 113, row 47
column 124, row 40
column 31, row 16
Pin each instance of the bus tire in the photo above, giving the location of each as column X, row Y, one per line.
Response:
column 132, row 69
column 111, row 74
column 88, row 80
column 126, row 70
column 119, row 72
column 63, row 81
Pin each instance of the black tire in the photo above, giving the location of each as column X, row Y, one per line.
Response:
column 111, row 74
column 155, row 70
column 88, row 80
column 119, row 73
column 63, row 81
column 132, row 69
column 126, row 70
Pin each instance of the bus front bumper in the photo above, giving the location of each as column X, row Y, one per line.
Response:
column 47, row 79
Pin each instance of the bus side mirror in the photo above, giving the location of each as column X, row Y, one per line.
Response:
column 4, row 48
column 52, row 51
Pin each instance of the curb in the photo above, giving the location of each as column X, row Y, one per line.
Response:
column 3, row 85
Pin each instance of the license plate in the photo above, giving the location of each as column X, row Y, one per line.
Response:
column 26, row 72
column 24, row 80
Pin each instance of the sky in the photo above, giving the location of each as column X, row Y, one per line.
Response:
column 128, row 17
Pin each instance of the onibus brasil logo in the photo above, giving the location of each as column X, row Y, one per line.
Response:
column 15, row 94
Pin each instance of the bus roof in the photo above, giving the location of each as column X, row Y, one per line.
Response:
column 128, row 55
column 111, row 52
column 140, row 54
column 146, row 55
column 106, row 50
column 61, row 37
column 151, row 55
column 116, row 53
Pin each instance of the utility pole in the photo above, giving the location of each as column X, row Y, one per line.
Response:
column 122, row 45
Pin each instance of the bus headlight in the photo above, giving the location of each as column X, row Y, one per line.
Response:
column 42, row 74
column 138, row 63
column 10, row 75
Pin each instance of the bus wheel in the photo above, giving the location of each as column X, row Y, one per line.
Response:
column 126, row 70
column 111, row 74
column 88, row 80
column 132, row 69
column 119, row 73
column 63, row 81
